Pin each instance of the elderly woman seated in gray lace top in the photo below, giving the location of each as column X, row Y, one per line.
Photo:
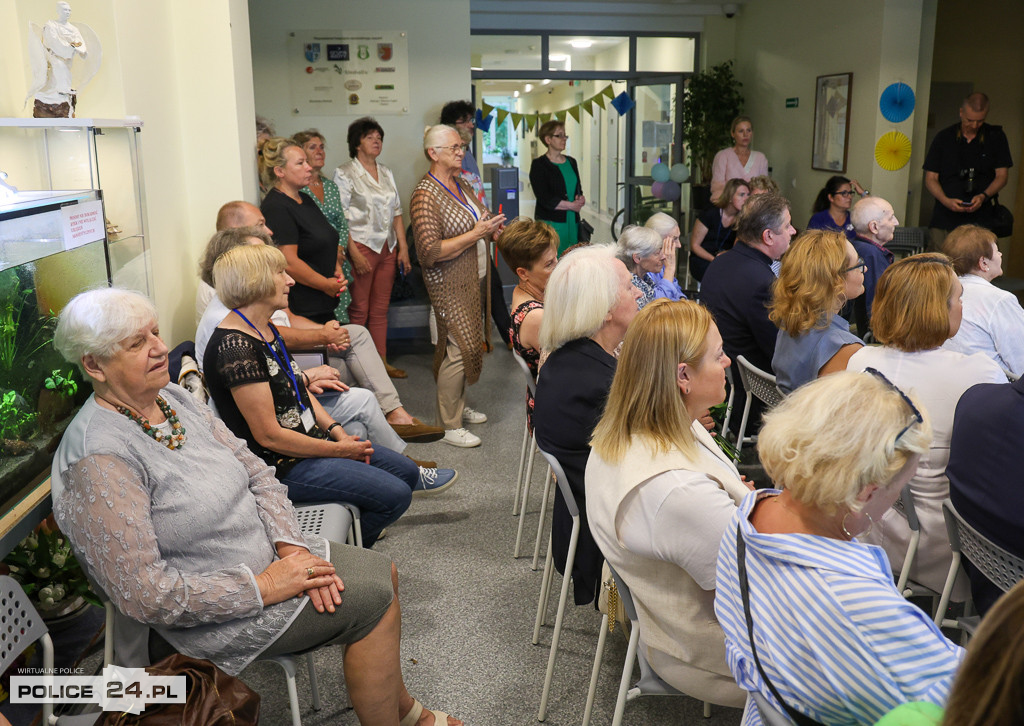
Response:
column 644, row 252
column 189, row 532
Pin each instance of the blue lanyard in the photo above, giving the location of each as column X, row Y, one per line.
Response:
column 461, row 199
column 286, row 368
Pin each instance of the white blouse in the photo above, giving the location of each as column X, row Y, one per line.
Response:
column 370, row 205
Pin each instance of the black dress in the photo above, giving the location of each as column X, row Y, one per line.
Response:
column 306, row 226
column 718, row 239
column 571, row 394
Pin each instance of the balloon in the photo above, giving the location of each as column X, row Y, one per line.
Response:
column 660, row 172
column 657, row 188
column 671, row 191
column 680, row 173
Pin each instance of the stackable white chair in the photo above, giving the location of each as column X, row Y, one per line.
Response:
column 757, row 383
column 907, row 587
column 545, row 587
column 523, row 482
column 1002, row 568
column 650, row 684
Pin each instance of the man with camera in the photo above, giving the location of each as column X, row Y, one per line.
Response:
column 965, row 168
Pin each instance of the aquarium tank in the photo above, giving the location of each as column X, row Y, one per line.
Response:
column 48, row 254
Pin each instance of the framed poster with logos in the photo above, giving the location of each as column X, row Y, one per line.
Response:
column 335, row 73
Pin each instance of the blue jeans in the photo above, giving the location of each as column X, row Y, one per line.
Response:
column 381, row 489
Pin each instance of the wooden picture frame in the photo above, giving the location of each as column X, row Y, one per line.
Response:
column 832, row 97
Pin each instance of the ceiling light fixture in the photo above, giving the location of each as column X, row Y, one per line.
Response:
column 529, row 87
column 515, row 94
column 581, row 43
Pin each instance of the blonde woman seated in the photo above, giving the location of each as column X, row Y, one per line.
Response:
column 993, row 321
column 644, row 253
column 821, row 629
column 660, row 493
column 917, row 308
column 819, row 274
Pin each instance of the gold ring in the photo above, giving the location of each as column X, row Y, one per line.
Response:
column 309, row 572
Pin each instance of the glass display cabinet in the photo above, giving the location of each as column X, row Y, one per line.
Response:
column 65, row 230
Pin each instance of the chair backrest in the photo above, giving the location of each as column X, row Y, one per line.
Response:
column 22, row 623
column 759, row 382
column 906, row 507
column 563, row 483
column 530, row 383
column 770, row 716
column 909, row 240
column 995, row 563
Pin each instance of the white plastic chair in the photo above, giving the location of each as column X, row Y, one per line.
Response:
column 523, row 483
column 650, row 684
column 757, row 383
column 1001, row 567
column 545, row 588
column 907, row 587
column 23, row 625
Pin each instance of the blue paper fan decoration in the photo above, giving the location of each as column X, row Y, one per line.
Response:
column 483, row 122
column 897, row 102
column 623, row 103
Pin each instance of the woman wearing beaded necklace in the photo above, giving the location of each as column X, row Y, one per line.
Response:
column 187, row 531
column 449, row 229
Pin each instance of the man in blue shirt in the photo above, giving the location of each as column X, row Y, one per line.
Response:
column 875, row 223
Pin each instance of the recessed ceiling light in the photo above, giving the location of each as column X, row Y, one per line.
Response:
column 545, row 82
column 515, row 94
column 529, row 87
column 581, row 43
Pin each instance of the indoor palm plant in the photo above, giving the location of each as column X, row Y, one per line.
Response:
column 712, row 100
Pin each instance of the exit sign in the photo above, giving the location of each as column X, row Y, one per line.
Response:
column 792, row 102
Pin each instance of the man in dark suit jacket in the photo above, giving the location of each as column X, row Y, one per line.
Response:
column 737, row 286
column 984, row 472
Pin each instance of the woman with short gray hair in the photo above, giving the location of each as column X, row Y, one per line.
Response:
column 643, row 252
column 188, row 532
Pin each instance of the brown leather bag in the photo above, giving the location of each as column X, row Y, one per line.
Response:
column 213, row 698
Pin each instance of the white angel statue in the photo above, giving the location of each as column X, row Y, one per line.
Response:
column 56, row 81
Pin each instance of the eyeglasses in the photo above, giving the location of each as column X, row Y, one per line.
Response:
column 559, row 136
column 847, row 193
column 861, row 265
column 454, row 149
column 918, row 418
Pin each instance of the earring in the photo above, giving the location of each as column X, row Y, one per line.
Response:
column 871, row 523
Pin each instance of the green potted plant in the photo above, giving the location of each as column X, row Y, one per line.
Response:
column 711, row 101
column 56, row 398
column 48, row 572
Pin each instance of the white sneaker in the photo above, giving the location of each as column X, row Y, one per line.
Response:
column 461, row 438
column 472, row 417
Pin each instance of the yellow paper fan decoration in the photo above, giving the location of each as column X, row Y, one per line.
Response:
column 892, row 151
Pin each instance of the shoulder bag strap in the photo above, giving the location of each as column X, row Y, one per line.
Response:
column 741, row 556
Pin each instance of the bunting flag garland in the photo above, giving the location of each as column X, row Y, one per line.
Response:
column 622, row 103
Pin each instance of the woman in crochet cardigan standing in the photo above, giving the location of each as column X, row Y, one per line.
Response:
column 449, row 229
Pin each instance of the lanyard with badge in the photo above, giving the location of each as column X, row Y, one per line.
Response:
column 308, row 421
column 460, row 197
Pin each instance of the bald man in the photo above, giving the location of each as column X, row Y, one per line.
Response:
column 350, row 347
column 966, row 166
column 875, row 222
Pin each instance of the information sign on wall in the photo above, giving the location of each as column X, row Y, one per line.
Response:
column 334, row 73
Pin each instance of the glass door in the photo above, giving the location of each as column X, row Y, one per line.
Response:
column 654, row 136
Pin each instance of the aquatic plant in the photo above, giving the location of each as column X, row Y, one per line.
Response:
column 21, row 338
column 15, row 422
column 59, row 383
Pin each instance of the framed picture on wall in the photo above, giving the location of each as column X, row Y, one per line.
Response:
column 831, row 122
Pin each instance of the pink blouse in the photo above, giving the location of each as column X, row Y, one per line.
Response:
column 727, row 166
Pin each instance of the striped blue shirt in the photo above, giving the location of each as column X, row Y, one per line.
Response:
column 833, row 634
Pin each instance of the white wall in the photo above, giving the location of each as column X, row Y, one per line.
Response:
column 191, row 83
column 438, row 43
column 783, row 45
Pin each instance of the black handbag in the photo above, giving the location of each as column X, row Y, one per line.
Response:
column 1001, row 219
column 585, row 230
